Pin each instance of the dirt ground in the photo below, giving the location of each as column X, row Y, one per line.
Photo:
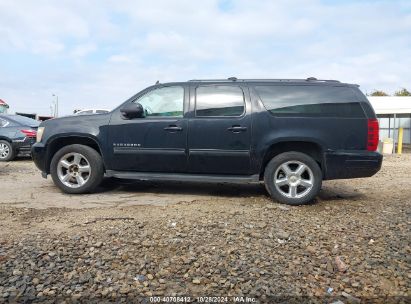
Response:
column 22, row 186
column 141, row 239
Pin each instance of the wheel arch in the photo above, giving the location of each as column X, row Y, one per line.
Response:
column 312, row 148
column 57, row 143
column 6, row 139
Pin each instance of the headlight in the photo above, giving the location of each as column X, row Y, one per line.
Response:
column 40, row 131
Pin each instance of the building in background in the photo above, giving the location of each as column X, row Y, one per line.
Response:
column 393, row 112
column 29, row 115
column 35, row 116
column 3, row 106
column 44, row 117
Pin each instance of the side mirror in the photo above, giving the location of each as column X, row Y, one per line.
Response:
column 132, row 110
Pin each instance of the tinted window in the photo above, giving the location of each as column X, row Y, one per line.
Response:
column 219, row 101
column 368, row 109
column 318, row 101
column 25, row 121
column 167, row 101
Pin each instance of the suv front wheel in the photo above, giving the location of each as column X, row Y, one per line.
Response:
column 293, row 178
column 77, row 169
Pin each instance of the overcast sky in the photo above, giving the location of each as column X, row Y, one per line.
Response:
column 95, row 54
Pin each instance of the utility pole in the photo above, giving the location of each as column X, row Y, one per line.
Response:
column 56, row 106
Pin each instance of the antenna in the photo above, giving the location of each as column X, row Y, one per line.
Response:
column 157, row 82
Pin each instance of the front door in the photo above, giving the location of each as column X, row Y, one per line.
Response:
column 219, row 135
column 156, row 142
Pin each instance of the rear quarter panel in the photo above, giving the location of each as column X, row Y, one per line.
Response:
column 8, row 133
column 330, row 133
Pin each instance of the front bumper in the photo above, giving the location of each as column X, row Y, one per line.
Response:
column 39, row 155
column 349, row 164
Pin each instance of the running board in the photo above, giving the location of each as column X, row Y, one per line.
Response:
column 150, row 176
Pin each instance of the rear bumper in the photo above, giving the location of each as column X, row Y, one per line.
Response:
column 23, row 146
column 39, row 155
column 339, row 165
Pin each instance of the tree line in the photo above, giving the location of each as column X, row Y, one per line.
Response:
column 402, row 92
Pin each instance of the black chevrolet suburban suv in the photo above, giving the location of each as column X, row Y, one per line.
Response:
column 289, row 133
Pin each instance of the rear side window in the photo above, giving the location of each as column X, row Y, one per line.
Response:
column 214, row 101
column 310, row 101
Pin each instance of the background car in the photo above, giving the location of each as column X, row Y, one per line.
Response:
column 17, row 135
column 91, row 111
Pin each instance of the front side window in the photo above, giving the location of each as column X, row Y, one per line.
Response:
column 167, row 101
column 219, row 100
column 310, row 101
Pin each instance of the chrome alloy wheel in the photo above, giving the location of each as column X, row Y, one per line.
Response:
column 73, row 170
column 4, row 151
column 293, row 179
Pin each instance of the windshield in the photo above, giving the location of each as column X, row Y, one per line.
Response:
column 22, row 120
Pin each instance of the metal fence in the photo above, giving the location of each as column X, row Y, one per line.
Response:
column 390, row 123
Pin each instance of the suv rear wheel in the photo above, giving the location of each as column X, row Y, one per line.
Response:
column 77, row 169
column 293, row 178
column 6, row 151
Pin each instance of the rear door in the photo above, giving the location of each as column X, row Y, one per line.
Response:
column 219, row 135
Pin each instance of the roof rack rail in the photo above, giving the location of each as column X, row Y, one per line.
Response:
column 213, row 80
column 321, row 80
column 309, row 79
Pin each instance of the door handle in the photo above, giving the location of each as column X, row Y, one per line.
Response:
column 173, row 128
column 237, row 129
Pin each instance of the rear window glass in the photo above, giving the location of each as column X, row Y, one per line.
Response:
column 219, row 101
column 310, row 101
column 25, row 121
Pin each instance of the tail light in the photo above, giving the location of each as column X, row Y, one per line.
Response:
column 373, row 135
column 29, row 133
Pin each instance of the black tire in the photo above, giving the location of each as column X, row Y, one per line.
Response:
column 292, row 160
column 11, row 154
column 95, row 162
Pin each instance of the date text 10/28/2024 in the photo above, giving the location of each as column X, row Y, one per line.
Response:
column 203, row 300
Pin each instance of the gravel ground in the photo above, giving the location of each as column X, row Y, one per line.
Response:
column 351, row 245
